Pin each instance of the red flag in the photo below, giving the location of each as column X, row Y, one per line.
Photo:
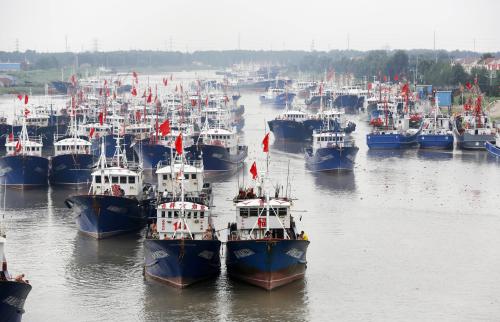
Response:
column 385, row 78
column 137, row 115
column 105, row 82
column 91, row 133
column 396, row 77
column 405, row 89
column 100, row 91
column 165, row 81
column 19, row 97
column 165, row 128
column 73, row 80
column 468, row 85
column 178, row 144
column 134, row 91
column 11, row 137
column 18, row 146
column 26, row 112
column 101, row 118
column 369, row 86
column 134, row 74
column 206, row 101
column 107, row 91
column 150, row 97
column 25, row 99
column 193, row 102
column 253, row 171
column 265, row 142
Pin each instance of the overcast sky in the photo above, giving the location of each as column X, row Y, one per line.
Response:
column 258, row 24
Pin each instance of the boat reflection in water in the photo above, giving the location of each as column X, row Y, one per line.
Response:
column 290, row 146
column 243, row 302
column 28, row 198
column 342, row 181
column 435, row 154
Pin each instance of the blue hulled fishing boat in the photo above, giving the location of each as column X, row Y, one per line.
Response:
column 23, row 166
column 331, row 151
column 116, row 202
column 263, row 245
column 436, row 132
column 181, row 247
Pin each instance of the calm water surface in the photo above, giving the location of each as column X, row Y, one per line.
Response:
column 408, row 236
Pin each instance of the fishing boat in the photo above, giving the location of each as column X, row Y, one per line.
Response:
column 494, row 148
column 278, row 97
column 331, row 151
column 23, row 166
column 181, row 246
column 13, row 291
column 117, row 201
column 436, row 132
column 473, row 128
column 394, row 131
column 220, row 148
column 73, row 159
column 263, row 246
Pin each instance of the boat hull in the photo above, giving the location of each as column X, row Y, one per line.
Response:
column 22, row 171
column 331, row 159
column 280, row 100
column 435, row 141
column 12, row 297
column 289, row 130
column 492, row 149
column 473, row 142
column 181, row 262
column 266, row 263
column 102, row 216
column 217, row 158
column 71, row 169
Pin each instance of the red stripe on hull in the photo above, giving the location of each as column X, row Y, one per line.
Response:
column 270, row 280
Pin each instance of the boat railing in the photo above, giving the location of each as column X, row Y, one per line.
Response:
column 194, row 163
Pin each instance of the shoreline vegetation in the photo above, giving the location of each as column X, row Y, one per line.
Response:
column 423, row 66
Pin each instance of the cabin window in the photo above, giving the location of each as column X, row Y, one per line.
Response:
column 131, row 179
column 202, row 214
column 123, row 179
column 106, row 179
column 163, row 213
column 97, row 179
column 114, row 179
column 186, row 176
column 281, row 212
column 165, row 177
column 169, row 214
column 244, row 212
column 189, row 215
column 193, row 176
column 254, row 212
column 176, row 214
column 195, row 214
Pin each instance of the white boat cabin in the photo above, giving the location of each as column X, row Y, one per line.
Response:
column 439, row 125
column 251, row 218
column 477, row 125
column 169, row 177
column 31, row 147
column 329, row 139
column 72, row 146
column 183, row 220
column 99, row 130
column 297, row 116
column 38, row 120
column 139, row 130
column 221, row 137
column 116, row 181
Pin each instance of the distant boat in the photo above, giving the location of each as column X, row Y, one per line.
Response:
column 277, row 97
column 392, row 132
column 116, row 202
column 436, row 132
column 472, row 128
column 331, row 151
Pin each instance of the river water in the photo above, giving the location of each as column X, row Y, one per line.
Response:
column 407, row 236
